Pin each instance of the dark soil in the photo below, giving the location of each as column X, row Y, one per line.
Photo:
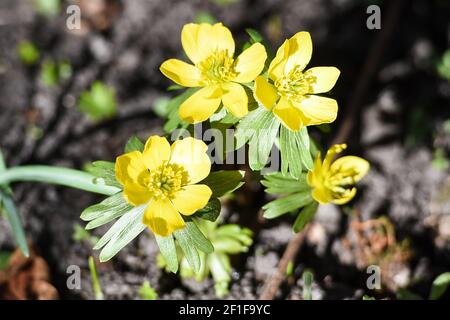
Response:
column 398, row 129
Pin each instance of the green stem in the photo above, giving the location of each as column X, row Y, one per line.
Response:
column 56, row 175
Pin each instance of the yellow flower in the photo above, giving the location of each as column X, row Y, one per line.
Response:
column 164, row 178
column 211, row 49
column 334, row 182
column 291, row 95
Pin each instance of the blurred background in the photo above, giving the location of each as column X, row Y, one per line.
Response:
column 68, row 97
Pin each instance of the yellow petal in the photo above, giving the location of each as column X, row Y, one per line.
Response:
column 288, row 114
column 201, row 105
column 265, row 93
column 129, row 166
column 321, row 195
column 156, row 151
column 136, row 194
column 235, row 99
column 317, row 110
column 276, row 68
column 181, row 73
column 352, row 163
column 324, row 78
column 201, row 40
column 345, row 198
column 300, row 51
column 332, row 151
column 162, row 218
column 315, row 177
column 250, row 63
column 191, row 154
column 192, row 198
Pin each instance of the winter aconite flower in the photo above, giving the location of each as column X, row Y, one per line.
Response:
column 211, row 49
column 334, row 181
column 290, row 91
column 164, row 178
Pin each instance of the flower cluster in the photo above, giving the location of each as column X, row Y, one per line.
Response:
column 289, row 92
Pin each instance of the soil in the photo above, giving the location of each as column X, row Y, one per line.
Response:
column 398, row 128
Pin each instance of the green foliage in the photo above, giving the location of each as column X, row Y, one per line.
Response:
column 211, row 211
column 53, row 73
column 146, row 292
column 82, row 235
column 259, row 128
column 168, row 253
column 307, row 284
column 295, row 151
column 439, row 286
column 122, row 232
column 10, row 211
column 172, row 107
column 204, row 17
column 443, row 66
column 28, row 53
column 96, row 287
column 104, row 171
column 289, row 269
column 226, row 240
column 440, row 161
column 287, row 204
column 99, row 102
column 366, row 297
column 277, row 183
column 4, row 259
column 305, row 216
column 224, row 182
column 255, row 36
column 47, row 7
column 134, row 144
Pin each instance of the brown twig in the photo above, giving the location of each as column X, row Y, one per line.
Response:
column 370, row 66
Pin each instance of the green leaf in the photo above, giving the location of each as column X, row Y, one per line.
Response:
column 260, row 129
column 8, row 208
column 99, row 102
column 190, row 252
column 277, row 183
column 220, row 267
column 147, row 292
column 307, row 285
column 134, row 144
column 128, row 227
column 305, row 216
column 104, row 170
column 224, row 181
column 204, row 17
column 211, row 211
column 173, row 106
column 47, row 7
column 168, row 251
column 53, row 72
column 4, row 259
column 295, row 146
column 28, row 52
column 198, row 238
column 106, row 211
column 405, row 294
column 96, row 286
column 439, row 286
column 255, row 36
column 287, row 204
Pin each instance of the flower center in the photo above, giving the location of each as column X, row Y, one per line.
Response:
column 218, row 67
column 295, row 84
column 340, row 182
column 166, row 180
